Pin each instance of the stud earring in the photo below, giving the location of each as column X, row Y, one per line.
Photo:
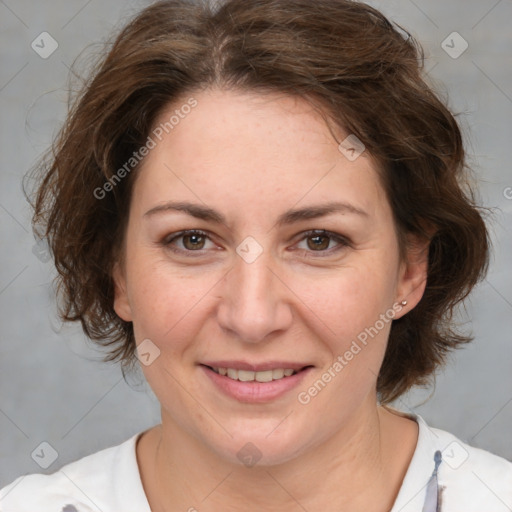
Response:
column 403, row 303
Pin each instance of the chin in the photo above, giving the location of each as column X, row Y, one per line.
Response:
column 262, row 445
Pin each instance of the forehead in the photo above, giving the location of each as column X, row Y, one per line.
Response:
column 249, row 150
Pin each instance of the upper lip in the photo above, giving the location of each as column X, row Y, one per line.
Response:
column 256, row 367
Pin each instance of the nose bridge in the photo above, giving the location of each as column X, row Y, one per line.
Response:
column 253, row 305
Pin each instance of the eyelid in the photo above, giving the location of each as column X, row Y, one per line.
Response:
column 340, row 239
column 167, row 241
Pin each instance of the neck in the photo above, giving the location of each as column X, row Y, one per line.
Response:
column 361, row 467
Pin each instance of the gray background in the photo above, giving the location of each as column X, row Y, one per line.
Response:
column 53, row 386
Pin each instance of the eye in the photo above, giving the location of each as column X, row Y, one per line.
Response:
column 320, row 240
column 196, row 240
column 190, row 241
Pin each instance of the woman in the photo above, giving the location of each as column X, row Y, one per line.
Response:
column 261, row 203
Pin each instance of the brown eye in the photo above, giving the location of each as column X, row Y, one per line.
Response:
column 322, row 242
column 188, row 241
column 318, row 242
column 193, row 241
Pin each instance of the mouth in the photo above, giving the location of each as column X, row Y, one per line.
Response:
column 256, row 376
column 255, row 386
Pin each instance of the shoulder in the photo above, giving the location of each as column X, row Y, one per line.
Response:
column 467, row 479
column 105, row 480
column 471, row 478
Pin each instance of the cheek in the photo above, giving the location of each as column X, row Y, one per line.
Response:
column 172, row 304
column 352, row 316
column 348, row 300
column 168, row 303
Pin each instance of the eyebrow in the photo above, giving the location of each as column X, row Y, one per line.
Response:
column 289, row 217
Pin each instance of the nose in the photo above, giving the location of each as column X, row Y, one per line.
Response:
column 255, row 302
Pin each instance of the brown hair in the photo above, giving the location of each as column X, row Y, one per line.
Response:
column 342, row 54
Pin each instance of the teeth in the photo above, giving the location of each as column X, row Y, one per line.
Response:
column 249, row 376
column 278, row 374
column 265, row 376
column 244, row 376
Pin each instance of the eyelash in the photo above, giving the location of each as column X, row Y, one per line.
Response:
column 342, row 241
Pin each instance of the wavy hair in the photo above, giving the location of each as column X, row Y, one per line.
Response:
column 365, row 74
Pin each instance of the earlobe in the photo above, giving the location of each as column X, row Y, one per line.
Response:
column 413, row 275
column 121, row 302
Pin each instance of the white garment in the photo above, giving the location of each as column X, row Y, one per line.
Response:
column 469, row 480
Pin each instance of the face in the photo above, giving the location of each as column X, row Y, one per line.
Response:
column 254, row 243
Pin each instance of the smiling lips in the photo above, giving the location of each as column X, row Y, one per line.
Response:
column 255, row 383
column 250, row 376
column 261, row 372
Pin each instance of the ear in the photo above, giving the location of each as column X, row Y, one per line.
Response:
column 121, row 302
column 412, row 278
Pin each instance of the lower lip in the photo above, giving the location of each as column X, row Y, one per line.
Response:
column 255, row 392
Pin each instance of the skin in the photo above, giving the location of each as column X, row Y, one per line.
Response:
column 252, row 157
